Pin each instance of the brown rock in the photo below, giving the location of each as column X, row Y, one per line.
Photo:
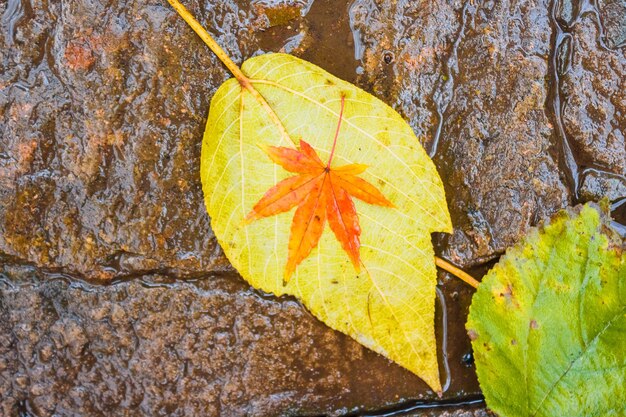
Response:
column 208, row 347
column 78, row 55
column 593, row 93
column 497, row 149
column 101, row 117
column 471, row 78
column 613, row 17
column 405, row 48
column 458, row 412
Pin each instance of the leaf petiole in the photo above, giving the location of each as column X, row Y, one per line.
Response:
column 210, row 42
column 459, row 273
column 244, row 81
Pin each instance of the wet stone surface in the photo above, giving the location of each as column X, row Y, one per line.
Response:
column 208, row 347
column 100, row 127
column 472, row 79
column 405, row 48
column 102, row 107
column 101, row 110
column 613, row 21
column 497, row 152
column 459, row 412
column 593, row 92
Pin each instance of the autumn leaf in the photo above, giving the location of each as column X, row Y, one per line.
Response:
column 386, row 304
column 321, row 192
column 548, row 322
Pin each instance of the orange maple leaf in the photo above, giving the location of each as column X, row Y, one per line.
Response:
column 321, row 193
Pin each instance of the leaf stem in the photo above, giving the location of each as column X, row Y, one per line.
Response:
column 244, row 81
column 460, row 274
column 210, row 42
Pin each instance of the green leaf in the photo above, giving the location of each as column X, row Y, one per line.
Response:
column 548, row 322
column 389, row 305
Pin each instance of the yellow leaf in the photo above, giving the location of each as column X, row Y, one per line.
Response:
column 389, row 306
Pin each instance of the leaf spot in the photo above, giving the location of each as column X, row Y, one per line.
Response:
column 472, row 334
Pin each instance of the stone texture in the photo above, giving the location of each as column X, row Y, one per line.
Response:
column 593, row 93
column 613, row 18
column 497, row 153
column 208, row 347
column 405, row 48
column 472, row 78
column 101, row 109
column 453, row 412
column 598, row 184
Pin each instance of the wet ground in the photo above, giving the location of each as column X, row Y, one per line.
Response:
column 114, row 295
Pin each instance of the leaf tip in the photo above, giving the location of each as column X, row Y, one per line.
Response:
column 386, row 203
column 289, row 270
column 361, row 167
column 250, row 217
column 304, row 145
column 264, row 147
